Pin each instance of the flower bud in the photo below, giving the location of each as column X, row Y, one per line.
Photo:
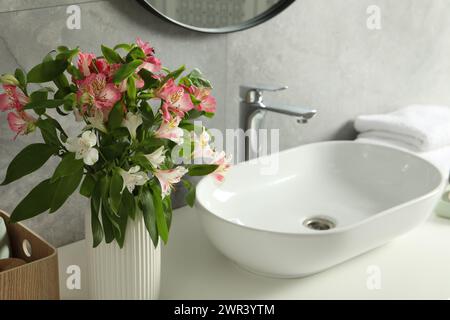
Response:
column 9, row 79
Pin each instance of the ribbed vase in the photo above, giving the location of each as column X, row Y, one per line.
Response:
column 130, row 273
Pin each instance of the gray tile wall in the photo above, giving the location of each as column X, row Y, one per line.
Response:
column 320, row 48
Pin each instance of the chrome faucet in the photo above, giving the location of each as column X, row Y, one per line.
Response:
column 253, row 110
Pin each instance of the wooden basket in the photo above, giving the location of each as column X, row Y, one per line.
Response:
column 38, row 278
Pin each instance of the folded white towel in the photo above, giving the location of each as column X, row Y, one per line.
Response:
column 423, row 127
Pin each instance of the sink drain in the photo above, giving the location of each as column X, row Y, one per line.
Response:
column 319, row 223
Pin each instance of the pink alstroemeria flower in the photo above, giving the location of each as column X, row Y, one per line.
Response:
column 224, row 163
column 167, row 178
column 102, row 66
column 21, row 123
column 170, row 130
column 85, row 62
column 13, row 98
column 151, row 63
column 95, row 90
column 145, row 46
column 175, row 99
column 208, row 102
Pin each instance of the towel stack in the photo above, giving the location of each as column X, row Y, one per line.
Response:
column 424, row 129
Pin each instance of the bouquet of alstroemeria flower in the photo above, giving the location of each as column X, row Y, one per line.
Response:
column 139, row 137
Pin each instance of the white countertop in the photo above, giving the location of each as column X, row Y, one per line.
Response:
column 414, row 266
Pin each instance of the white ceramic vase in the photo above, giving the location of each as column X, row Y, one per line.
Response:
column 130, row 273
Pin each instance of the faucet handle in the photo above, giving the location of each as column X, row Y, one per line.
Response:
column 254, row 94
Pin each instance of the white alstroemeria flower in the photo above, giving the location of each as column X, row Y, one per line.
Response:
column 169, row 177
column 132, row 121
column 97, row 121
column 202, row 148
column 170, row 130
column 84, row 147
column 223, row 161
column 157, row 157
column 133, row 177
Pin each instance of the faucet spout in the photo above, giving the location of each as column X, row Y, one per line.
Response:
column 301, row 113
column 253, row 109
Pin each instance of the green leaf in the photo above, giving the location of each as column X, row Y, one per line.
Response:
column 190, row 195
column 97, row 230
column 115, row 190
column 114, row 150
column 115, row 116
column 173, row 75
column 76, row 74
column 65, row 186
column 110, row 55
column 35, row 203
column 197, row 79
column 67, row 54
column 161, row 223
column 39, row 95
column 193, row 114
column 148, row 211
column 131, row 90
column 87, row 187
column 48, row 132
column 149, row 81
column 47, row 71
column 124, row 46
column 21, row 77
column 142, row 161
column 136, row 53
column 126, row 206
column 107, row 225
column 44, row 104
column 201, row 169
column 48, row 57
column 62, row 48
column 61, row 82
column 126, row 70
column 67, row 166
column 147, row 114
column 28, row 160
column 167, row 205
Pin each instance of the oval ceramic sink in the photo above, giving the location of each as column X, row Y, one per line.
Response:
column 327, row 203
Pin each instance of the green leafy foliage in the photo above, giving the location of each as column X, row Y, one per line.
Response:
column 96, row 226
column 36, row 202
column 28, row 160
column 115, row 190
column 110, row 55
column 47, row 71
column 87, row 187
column 126, row 70
column 201, row 169
column 65, row 186
column 48, row 132
column 117, row 172
column 149, row 213
column 68, row 165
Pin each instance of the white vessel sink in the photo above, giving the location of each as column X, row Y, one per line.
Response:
column 360, row 196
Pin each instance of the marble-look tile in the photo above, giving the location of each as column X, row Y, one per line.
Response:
column 15, row 5
column 28, row 35
column 323, row 50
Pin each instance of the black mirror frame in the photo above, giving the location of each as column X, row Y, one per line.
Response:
column 263, row 17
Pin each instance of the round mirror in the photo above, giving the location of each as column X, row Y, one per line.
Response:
column 216, row 16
